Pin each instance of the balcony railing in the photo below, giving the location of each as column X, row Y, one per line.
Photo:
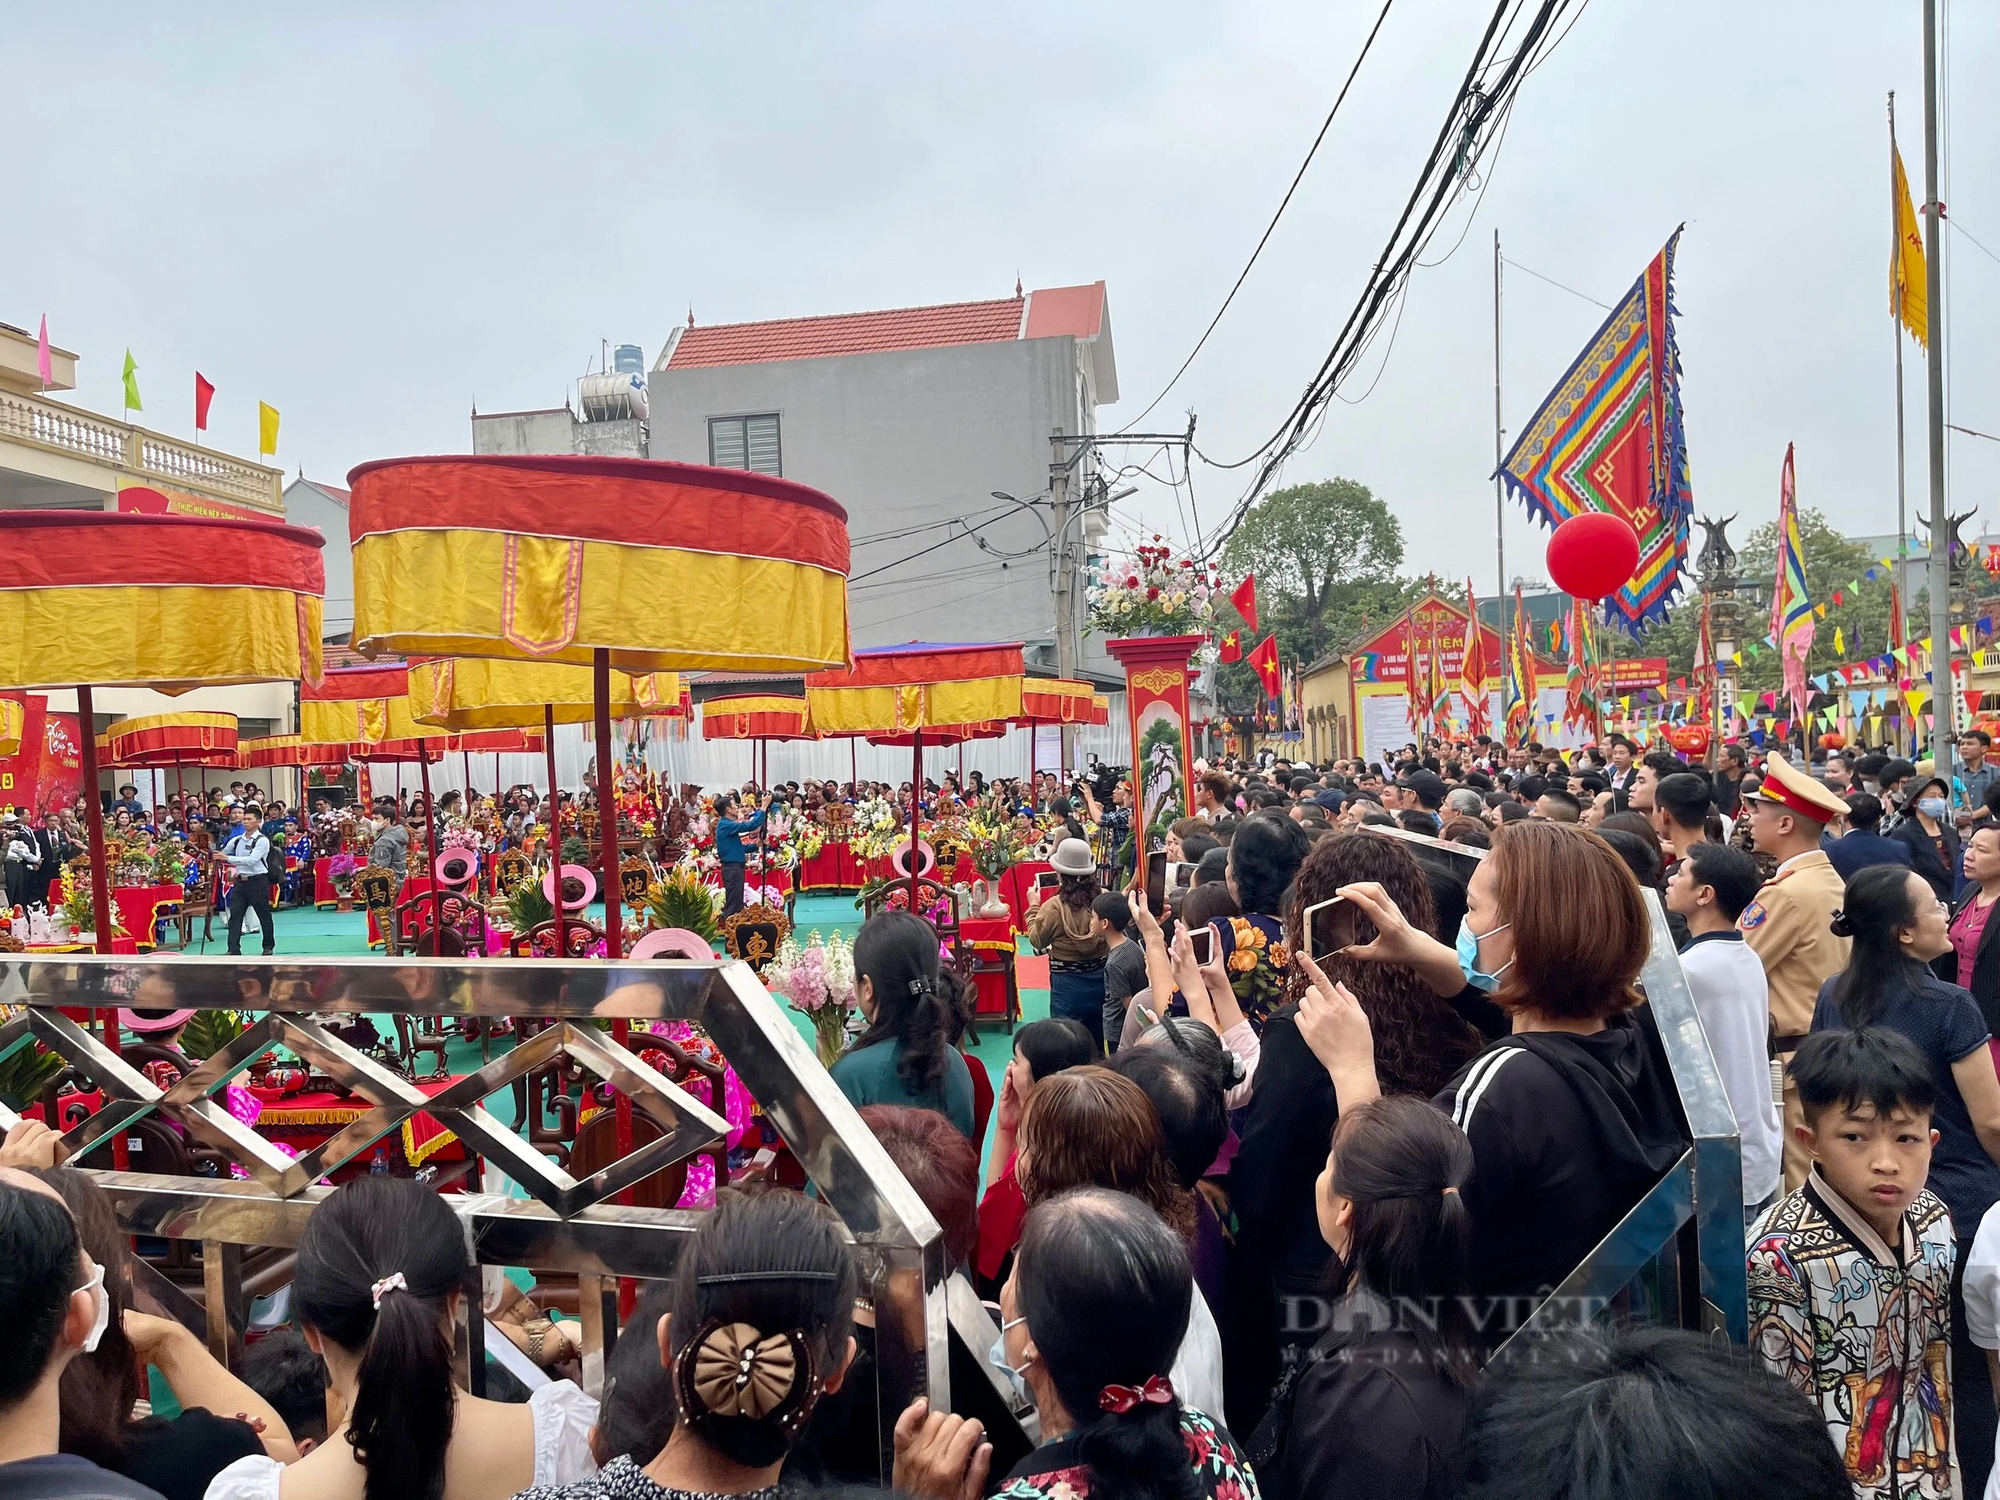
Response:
column 73, row 433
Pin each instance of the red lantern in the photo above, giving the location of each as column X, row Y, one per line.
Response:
column 1593, row 554
column 1833, row 741
column 1689, row 739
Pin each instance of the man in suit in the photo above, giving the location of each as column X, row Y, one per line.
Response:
column 57, row 851
column 1863, row 845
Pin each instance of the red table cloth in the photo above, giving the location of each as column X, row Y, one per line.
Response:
column 137, row 907
column 989, row 936
column 1017, row 888
column 303, row 1121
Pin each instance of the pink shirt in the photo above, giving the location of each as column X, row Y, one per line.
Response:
column 1965, row 933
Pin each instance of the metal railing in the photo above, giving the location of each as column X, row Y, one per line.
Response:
column 564, row 1225
column 1678, row 1254
column 111, row 444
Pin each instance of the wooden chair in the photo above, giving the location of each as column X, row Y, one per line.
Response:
column 755, row 933
column 197, row 905
column 579, row 937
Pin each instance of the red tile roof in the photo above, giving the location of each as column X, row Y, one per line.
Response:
column 332, row 492
column 339, row 654
column 1042, row 314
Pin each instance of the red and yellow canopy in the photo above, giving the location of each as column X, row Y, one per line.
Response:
column 470, row 692
column 756, row 716
column 1060, row 700
column 158, row 740
column 97, row 598
column 665, row 566
column 894, row 689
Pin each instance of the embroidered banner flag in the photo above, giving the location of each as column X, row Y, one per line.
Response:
column 1704, row 665
column 1909, row 293
column 1580, row 707
column 1791, row 608
column 1609, row 438
column 1520, row 684
column 1472, row 670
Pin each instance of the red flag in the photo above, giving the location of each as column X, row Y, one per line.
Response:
column 1245, row 600
column 1265, row 660
column 203, row 394
column 1231, row 647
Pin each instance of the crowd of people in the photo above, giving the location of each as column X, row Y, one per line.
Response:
column 1271, row 1197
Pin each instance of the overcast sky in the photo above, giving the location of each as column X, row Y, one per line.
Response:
column 374, row 216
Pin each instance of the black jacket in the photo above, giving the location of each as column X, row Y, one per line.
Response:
column 1985, row 963
column 1941, row 873
column 1369, row 1415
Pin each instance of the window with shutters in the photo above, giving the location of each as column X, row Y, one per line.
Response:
column 745, row 443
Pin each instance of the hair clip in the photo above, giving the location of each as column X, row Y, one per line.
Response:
column 393, row 1282
column 1119, row 1399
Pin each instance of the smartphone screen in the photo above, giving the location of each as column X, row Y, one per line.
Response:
column 1202, row 941
column 1330, row 926
column 1046, row 883
column 1180, row 876
column 1156, row 880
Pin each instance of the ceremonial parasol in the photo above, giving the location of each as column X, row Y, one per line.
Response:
column 894, row 690
column 480, row 694
column 156, row 741
column 604, row 562
column 94, row 599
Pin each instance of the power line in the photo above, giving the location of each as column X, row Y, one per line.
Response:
column 1959, row 229
column 1264, row 239
column 1972, row 432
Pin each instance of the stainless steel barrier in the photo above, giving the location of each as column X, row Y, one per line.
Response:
column 1678, row 1255
column 566, row 1224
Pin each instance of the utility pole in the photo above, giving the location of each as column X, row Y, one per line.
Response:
column 1944, row 713
column 1065, row 576
column 1499, row 498
column 1896, row 329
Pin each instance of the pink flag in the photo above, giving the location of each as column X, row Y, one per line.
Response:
column 43, row 364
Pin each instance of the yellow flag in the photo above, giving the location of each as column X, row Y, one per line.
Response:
column 267, row 429
column 1909, row 296
column 1839, row 642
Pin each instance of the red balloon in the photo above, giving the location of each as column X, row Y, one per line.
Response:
column 1593, row 554
column 1689, row 739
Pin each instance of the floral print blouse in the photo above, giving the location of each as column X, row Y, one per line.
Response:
column 1256, row 958
column 1053, row 1472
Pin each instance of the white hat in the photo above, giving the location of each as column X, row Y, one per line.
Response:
column 1073, row 857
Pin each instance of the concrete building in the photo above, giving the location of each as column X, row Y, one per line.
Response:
column 613, row 423
column 323, row 508
column 913, row 419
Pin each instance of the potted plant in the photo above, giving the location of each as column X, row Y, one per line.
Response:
column 341, row 870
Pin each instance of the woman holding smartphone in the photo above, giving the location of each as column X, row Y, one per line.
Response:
column 1065, row 928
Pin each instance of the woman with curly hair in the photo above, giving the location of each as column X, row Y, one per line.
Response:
column 1420, row 1041
column 1088, row 1127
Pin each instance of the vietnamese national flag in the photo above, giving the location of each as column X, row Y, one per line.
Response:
column 203, row 394
column 1245, row 600
column 1265, row 660
column 1231, row 647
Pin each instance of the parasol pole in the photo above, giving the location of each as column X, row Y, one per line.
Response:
column 431, row 839
column 764, row 833
column 465, row 759
column 607, row 810
column 916, row 802
column 555, row 820
column 854, row 767
column 100, row 881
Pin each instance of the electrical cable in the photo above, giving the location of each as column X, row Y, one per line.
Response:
column 1264, row 239
column 1473, row 119
column 1959, row 229
column 1509, row 260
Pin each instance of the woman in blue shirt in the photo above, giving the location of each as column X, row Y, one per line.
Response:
column 907, row 996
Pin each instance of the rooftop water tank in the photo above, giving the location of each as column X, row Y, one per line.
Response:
column 616, row 397
column 628, row 359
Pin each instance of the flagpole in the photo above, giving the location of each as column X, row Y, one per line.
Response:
column 1944, row 708
column 1896, row 331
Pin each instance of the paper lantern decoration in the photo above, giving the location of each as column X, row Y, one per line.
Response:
column 1592, row 554
column 1832, row 741
column 1689, row 739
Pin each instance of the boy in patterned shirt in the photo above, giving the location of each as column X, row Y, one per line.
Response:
column 1850, row 1276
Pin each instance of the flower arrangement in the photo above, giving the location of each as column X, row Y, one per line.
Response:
column 170, row 864
column 877, row 829
column 1152, row 590
column 995, row 846
column 342, row 869
column 818, row 980
column 680, row 898
column 460, row 836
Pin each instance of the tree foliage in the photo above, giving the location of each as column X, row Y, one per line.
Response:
column 1325, row 555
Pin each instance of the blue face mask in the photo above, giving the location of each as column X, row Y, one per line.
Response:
column 997, row 1357
column 1468, row 956
column 1935, row 807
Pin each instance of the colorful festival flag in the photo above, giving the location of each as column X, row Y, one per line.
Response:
column 1520, row 694
column 44, row 362
column 1472, row 670
column 1909, row 294
column 203, row 394
column 1437, row 692
column 1245, row 600
column 1792, row 622
column 1413, row 673
column 1704, row 666
column 1231, row 647
column 1609, row 438
column 132, row 383
column 1580, row 707
column 267, row 429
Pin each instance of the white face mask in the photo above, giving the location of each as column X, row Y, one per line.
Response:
column 101, row 1299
